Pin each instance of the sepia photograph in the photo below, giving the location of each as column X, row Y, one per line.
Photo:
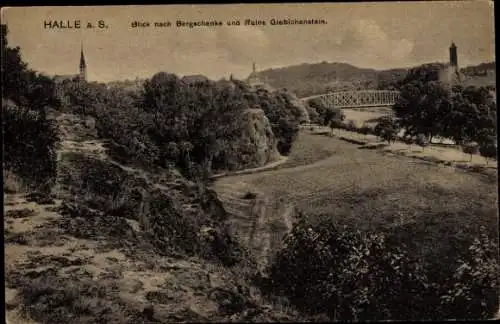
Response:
column 300, row 162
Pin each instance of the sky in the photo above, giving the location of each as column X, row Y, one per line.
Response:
column 377, row 35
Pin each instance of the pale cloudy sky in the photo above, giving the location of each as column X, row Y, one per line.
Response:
column 375, row 35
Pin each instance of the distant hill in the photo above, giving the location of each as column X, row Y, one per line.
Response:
column 315, row 78
column 480, row 69
column 308, row 79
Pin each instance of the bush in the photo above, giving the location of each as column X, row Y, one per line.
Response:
column 286, row 133
column 421, row 140
column 473, row 293
column 488, row 150
column 347, row 274
column 365, row 130
column 387, row 129
column 470, row 148
column 250, row 195
column 30, row 138
column 351, row 125
column 353, row 275
column 30, row 146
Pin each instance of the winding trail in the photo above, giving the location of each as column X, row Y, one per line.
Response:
column 260, row 222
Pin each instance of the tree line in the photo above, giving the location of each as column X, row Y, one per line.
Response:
column 196, row 126
column 428, row 108
column 467, row 115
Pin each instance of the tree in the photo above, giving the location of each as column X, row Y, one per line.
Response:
column 423, row 74
column 422, row 141
column 387, row 129
column 30, row 138
column 488, row 148
column 470, row 148
column 333, row 117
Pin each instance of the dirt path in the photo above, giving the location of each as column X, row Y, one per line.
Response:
column 269, row 166
column 444, row 153
column 260, row 222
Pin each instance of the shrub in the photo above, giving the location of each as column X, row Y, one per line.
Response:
column 30, row 138
column 352, row 125
column 30, row 146
column 421, row 140
column 347, row 274
column 474, row 291
column 353, row 275
column 488, row 149
column 365, row 130
column 250, row 195
column 470, row 148
column 387, row 129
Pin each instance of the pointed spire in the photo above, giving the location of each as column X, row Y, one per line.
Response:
column 82, row 58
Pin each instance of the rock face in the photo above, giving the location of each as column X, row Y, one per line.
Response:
column 258, row 141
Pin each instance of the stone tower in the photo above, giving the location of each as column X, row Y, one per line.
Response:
column 83, row 66
column 451, row 74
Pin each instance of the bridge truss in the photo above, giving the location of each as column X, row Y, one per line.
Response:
column 357, row 99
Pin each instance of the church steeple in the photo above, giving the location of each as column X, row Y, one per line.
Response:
column 453, row 55
column 83, row 65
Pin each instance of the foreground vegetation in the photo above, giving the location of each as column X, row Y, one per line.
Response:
column 426, row 214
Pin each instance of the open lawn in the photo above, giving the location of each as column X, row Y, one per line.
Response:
column 367, row 116
column 432, row 204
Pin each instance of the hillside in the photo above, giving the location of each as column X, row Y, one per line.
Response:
column 308, row 79
column 480, row 69
column 121, row 244
column 314, row 78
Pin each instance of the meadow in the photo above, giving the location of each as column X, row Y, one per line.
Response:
column 432, row 204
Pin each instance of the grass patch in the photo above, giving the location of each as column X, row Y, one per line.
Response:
column 310, row 148
column 372, row 191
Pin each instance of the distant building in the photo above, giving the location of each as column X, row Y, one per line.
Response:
column 254, row 80
column 81, row 76
column 83, row 66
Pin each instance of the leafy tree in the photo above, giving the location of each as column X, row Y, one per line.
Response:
column 333, row 117
column 421, row 141
column 30, row 137
column 387, row 129
column 488, row 148
column 428, row 107
column 470, row 148
column 423, row 74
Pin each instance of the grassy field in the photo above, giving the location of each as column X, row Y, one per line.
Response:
column 430, row 203
column 367, row 116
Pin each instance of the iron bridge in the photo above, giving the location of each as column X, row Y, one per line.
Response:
column 357, row 99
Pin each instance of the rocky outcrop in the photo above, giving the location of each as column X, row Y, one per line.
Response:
column 258, row 146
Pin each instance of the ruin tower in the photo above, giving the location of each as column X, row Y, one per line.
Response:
column 83, row 66
column 451, row 74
